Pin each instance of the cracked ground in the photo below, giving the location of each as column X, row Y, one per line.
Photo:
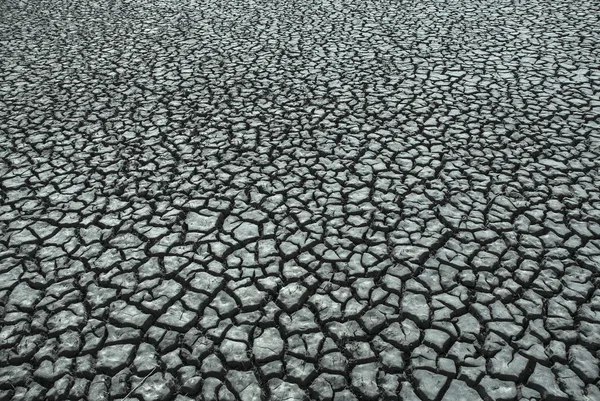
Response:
column 299, row 200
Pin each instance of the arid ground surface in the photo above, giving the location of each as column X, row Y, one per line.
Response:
column 299, row 200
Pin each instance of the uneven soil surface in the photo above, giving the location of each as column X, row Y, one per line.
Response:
column 299, row 200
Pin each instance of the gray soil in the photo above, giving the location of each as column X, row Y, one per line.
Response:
column 299, row 200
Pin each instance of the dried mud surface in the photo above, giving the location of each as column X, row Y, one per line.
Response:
column 293, row 200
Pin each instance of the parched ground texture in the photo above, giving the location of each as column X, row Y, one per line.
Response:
column 293, row 200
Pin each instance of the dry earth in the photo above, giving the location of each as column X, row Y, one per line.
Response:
column 293, row 200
